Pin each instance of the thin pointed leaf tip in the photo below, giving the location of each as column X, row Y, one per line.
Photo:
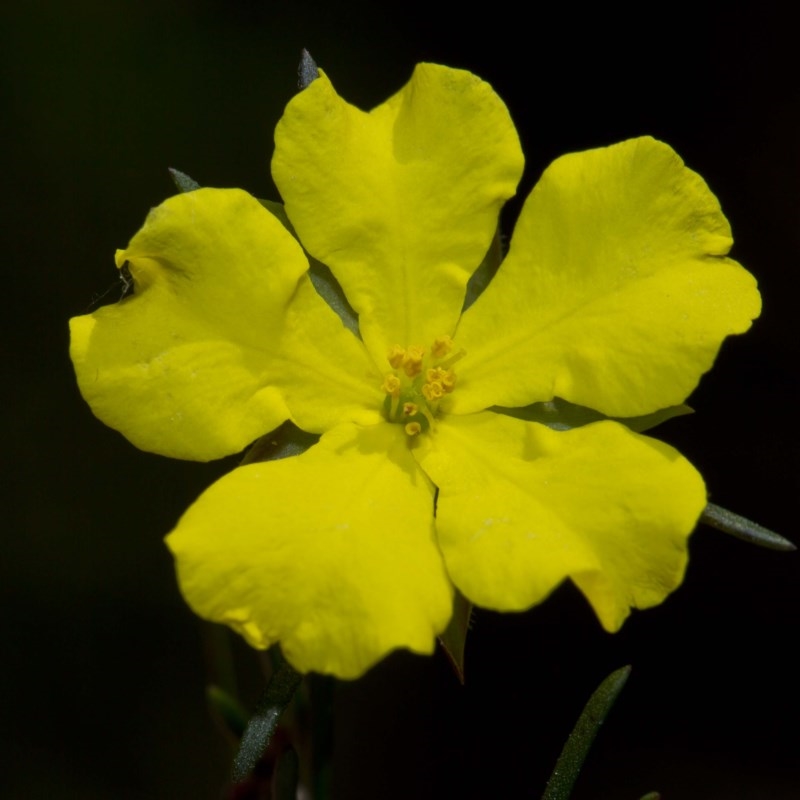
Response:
column 307, row 71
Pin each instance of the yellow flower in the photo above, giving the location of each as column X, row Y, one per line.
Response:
column 616, row 294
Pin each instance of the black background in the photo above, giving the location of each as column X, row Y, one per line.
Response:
column 101, row 669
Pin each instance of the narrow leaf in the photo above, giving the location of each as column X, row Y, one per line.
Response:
column 307, row 71
column 278, row 694
column 226, row 709
column 562, row 415
column 331, row 292
column 480, row 279
column 182, row 181
column 569, row 763
column 743, row 528
column 454, row 638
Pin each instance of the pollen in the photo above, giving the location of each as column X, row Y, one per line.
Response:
column 419, row 380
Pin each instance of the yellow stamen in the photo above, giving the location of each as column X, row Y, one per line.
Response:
column 396, row 356
column 446, row 377
column 410, row 409
column 391, row 385
column 433, row 391
column 426, row 411
column 413, row 428
column 412, row 360
column 419, row 381
column 442, row 345
column 448, row 362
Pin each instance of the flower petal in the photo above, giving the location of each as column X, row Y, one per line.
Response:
column 615, row 293
column 521, row 507
column 401, row 202
column 331, row 553
column 221, row 341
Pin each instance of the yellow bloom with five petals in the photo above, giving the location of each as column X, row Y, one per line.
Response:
column 616, row 294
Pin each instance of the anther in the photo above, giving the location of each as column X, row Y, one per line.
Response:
column 410, row 409
column 413, row 428
column 412, row 360
column 433, row 391
column 391, row 385
column 442, row 345
column 396, row 356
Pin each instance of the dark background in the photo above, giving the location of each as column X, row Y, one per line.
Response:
column 101, row 669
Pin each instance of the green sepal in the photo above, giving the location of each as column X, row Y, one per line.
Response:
column 286, row 440
column 454, row 638
column 307, row 71
column 480, row 279
column 261, row 726
column 324, row 282
column 576, row 748
column 227, row 710
column 183, row 183
column 562, row 415
column 744, row 529
column 277, row 210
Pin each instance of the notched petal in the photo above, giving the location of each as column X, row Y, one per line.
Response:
column 223, row 339
column 179, row 368
column 521, row 507
column 616, row 293
column 400, row 202
column 331, row 553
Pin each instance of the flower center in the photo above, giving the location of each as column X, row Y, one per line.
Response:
column 418, row 381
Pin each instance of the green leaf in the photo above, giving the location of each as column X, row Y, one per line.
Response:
column 278, row 694
column 569, row 763
column 562, row 415
column 182, row 181
column 454, row 638
column 226, row 709
column 743, row 528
